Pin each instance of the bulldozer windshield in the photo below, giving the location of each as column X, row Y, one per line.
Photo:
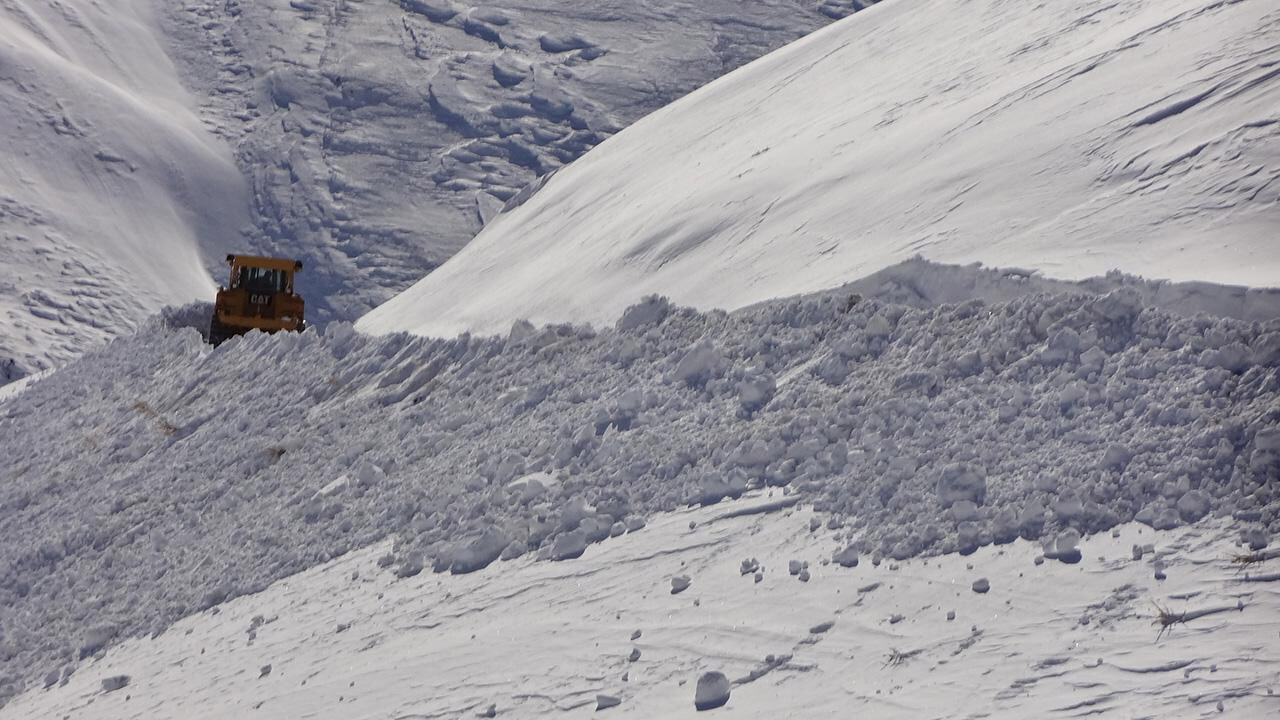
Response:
column 261, row 280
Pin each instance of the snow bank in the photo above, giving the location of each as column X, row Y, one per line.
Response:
column 112, row 193
column 157, row 477
column 1079, row 138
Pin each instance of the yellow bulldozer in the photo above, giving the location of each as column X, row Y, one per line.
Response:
column 260, row 296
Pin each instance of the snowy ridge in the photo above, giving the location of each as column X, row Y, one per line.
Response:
column 379, row 136
column 111, row 192
column 554, row 640
column 1072, row 138
column 142, row 485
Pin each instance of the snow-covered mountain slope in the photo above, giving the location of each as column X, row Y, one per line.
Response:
column 110, row 188
column 378, row 136
column 1073, row 138
column 541, row 640
column 157, row 477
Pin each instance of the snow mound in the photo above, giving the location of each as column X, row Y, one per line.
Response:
column 1080, row 138
column 112, row 191
column 158, row 477
column 379, row 137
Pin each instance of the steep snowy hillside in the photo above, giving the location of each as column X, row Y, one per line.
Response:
column 379, row 136
column 1073, row 138
column 157, row 477
column 110, row 188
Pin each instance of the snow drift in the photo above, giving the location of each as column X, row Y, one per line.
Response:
column 1074, row 138
column 157, row 477
column 111, row 191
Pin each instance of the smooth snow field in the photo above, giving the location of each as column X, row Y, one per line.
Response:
column 111, row 191
column 907, row 640
column 158, row 477
column 1072, row 137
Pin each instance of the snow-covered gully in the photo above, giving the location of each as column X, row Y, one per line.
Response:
column 158, row 477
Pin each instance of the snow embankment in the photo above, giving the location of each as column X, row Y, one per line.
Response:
column 158, row 477
column 1074, row 138
column 907, row 640
column 110, row 188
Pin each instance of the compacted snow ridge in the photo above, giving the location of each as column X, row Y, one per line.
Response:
column 379, row 136
column 111, row 190
column 157, row 476
column 530, row 639
column 1072, row 138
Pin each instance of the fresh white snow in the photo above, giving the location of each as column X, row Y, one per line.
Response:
column 850, row 483
column 531, row 639
column 111, row 192
column 1073, row 138
column 379, row 136
column 144, row 140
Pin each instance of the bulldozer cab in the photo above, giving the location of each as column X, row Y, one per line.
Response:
column 262, row 280
column 259, row 295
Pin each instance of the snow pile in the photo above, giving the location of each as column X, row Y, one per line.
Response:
column 112, row 191
column 378, row 137
column 158, row 477
column 1070, row 137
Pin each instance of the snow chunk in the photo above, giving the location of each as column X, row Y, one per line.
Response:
column 699, row 364
column 569, row 545
column 712, row 691
column 652, row 310
column 115, row 682
column 962, row 481
column 847, row 557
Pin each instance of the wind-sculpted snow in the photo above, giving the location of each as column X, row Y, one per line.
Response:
column 1073, row 138
column 372, row 139
column 157, row 476
column 111, row 192
column 380, row 136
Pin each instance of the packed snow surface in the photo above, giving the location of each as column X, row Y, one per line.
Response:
column 1074, row 138
column 110, row 187
column 346, row 641
column 379, row 136
column 158, row 476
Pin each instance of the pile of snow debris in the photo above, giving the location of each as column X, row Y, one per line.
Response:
column 158, row 477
